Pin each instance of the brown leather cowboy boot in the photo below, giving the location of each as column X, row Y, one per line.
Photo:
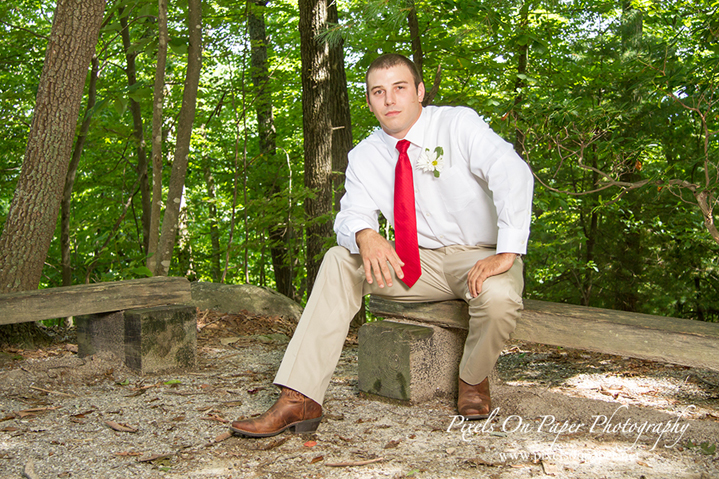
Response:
column 293, row 411
column 473, row 402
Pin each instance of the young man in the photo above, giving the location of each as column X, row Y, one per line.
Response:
column 459, row 198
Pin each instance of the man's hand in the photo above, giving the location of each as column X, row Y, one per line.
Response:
column 376, row 251
column 484, row 268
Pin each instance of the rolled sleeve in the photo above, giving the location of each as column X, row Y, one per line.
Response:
column 357, row 212
column 511, row 182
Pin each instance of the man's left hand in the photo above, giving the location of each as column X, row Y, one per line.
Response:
column 484, row 268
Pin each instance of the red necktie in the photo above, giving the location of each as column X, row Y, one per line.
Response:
column 405, row 219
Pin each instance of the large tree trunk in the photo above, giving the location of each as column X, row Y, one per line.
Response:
column 628, row 250
column 157, row 136
column 182, row 148
column 413, row 24
column 340, row 111
column 31, row 220
column 522, row 55
column 70, row 177
column 341, row 126
column 33, row 213
column 317, row 129
column 280, row 233
column 138, row 131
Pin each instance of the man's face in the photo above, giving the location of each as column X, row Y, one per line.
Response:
column 393, row 99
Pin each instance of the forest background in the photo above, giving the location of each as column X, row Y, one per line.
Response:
column 611, row 103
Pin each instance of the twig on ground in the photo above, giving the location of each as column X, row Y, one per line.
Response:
column 53, row 392
column 354, row 463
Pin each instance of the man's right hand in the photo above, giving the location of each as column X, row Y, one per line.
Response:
column 376, row 252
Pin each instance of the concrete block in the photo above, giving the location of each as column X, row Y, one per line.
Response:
column 147, row 340
column 409, row 361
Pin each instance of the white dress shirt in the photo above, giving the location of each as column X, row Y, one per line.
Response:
column 483, row 195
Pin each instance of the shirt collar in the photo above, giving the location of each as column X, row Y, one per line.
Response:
column 415, row 135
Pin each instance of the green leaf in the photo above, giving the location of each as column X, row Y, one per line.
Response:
column 178, row 45
column 141, row 94
column 707, row 448
column 141, row 271
column 121, row 105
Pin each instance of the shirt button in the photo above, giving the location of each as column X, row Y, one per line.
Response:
column 427, row 215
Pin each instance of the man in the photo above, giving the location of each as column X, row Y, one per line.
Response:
column 459, row 198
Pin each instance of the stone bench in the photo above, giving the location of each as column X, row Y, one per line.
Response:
column 146, row 323
column 415, row 355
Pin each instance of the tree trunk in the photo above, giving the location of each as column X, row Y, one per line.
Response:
column 70, row 177
column 32, row 216
column 182, row 148
column 138, row 131
column 341, row 126
column 628, row 250
column 280, row 233
column 157, row 136
column 522, row 56
column 413, row 24
column 317, row 129
column 341, row 117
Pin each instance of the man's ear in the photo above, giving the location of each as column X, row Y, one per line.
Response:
column 420, row 91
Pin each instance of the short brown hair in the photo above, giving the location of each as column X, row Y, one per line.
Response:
column 389, row 60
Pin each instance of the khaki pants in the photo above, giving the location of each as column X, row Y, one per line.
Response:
column 315, row 348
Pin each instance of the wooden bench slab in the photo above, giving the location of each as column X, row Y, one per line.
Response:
column 26, row 306
column 659, row 338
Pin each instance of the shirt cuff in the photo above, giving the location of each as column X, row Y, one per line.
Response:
column 512, row 241
column 346, row 234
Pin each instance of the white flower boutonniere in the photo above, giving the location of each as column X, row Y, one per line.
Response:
column 431, row 161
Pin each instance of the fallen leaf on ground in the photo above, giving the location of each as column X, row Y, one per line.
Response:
column 128, row 453
column 549, row 468
column 273, row 444
column 310, row 443
column 317, row 459
column 392, row 444
column 223, row 436
column 120, row 427
column 34, row 411
column 214, row 417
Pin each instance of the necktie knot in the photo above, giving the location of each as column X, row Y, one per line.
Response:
column 402, row 146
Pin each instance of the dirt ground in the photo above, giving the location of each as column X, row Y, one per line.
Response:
column 559, row 413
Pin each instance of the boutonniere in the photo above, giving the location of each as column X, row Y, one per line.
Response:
column 431, row 161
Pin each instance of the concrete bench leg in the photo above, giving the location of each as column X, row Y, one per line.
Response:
column 147, row 340
column 409, row 361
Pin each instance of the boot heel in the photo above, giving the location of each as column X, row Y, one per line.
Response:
column 310, row 425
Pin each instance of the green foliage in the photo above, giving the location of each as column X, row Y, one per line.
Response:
column 609, row 98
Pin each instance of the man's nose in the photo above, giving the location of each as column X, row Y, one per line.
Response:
column 389, row 98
